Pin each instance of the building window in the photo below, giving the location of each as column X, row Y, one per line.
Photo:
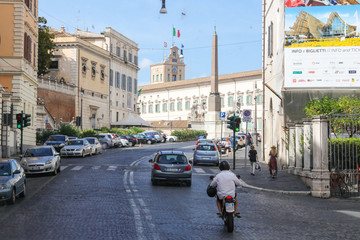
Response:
column 172, row 106
column 270, row 40
column 125, row 58
column 168, row 78
column 259, row 99
column 136, row 60
column 27, row 47
column 110, row 102
column 259, row 124
column 111, row 47
column 129, row 84
column 179, row 106
column 143, row 110
column 93, row 69
column 153, row 78
column 123, row 82
column 249, row 99
column 187, row 105
column 157, row 77
column 54, row 65
column 130, row 57
column 230, row 101
column 174, row 78
column 180, row 77
column 111, row 82
column 102, row 72
column 150, row 108
column 222, row 102
column 117, row 103
column 135, row 86
column 117, row 116
column 84, row 67
column 160, row 77
column 118, row 51
column 117, row 80
column 164, row 107
column 157, row 108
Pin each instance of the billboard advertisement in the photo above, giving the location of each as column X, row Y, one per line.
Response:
column 322, row 44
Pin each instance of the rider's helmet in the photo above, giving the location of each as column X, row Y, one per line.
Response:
column 224, row 165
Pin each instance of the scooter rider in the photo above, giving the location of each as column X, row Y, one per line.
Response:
column 225, row 183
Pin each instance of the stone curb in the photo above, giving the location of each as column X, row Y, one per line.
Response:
column 245, row 185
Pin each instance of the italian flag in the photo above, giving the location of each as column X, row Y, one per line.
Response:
column 174, row 33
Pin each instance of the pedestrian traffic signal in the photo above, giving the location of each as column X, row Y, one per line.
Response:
column 230, row 122
column 237, row 124
column 19, row 120
column 27, row 120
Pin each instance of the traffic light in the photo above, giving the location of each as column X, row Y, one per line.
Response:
column 27, row 120
column 237, row 124
column 230, row 122
column 19, row 120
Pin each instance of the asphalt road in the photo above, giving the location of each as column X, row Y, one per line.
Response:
column 110, row 196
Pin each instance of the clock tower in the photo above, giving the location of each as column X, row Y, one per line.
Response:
column 170, row 70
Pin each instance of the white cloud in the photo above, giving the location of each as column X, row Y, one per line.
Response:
column 145, row 63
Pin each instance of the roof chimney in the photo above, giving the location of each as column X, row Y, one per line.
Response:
column 62, row 29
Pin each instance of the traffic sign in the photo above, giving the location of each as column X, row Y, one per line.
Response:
column 222, row 114
column 247, row 115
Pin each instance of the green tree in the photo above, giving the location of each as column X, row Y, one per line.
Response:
column 46, row 47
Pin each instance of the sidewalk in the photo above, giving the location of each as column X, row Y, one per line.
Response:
column 284, row 182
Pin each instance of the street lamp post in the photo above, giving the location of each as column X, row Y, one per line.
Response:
column 255, row 125
column 81, row 109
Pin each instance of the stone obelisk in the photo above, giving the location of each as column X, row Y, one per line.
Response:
column 212, row 118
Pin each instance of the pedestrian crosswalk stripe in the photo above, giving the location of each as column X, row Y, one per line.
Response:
column 77, row 168
column 199, row 170
column 63, row 167
column 111, row 168
column 95, row 167
column 214, row 171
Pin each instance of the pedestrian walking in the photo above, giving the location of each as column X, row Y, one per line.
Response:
column 253, row 157
column 227, row 145
column 248, row 142
column 273, row 162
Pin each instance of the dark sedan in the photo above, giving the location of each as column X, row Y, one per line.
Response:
column 12, row 180
column 132, row 140
column 58, row 141
column 142, row 138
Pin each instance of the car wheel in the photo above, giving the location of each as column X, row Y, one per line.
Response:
column 171, row 140
column 153, row 182
column 55, row 172
column 12, row 198
column 59, row 168
column 195, row 163
column 148, row 142
column 23, row 194
column 188, row 183
column 83, row 153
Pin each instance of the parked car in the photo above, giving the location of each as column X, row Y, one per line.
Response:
column 12, row 180
column 58, row 141
column 164, row 136
column 72, row 138
column 258, row 138
column 106, row 139
column 123, row 141
column 117, row 140
column 41, row 159
column 172, row 138
column 206, row 153
column 143, row 138
column 77, row 147
column 171, row 166
column 155, row 135
column 131, row 139
column 204, row 140
column 95, row 145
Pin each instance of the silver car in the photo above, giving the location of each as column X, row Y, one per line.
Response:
column 171, row 166
column 12, row 180
column 77, row 147
column 206, row 153
column 95, row 144
column 41, row 159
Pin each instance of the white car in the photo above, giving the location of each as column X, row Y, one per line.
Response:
column 77, row 147
column 41, row 159
column 171, row 138
column 95, row 144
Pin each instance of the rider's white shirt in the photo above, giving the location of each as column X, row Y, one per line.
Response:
column 225, row 183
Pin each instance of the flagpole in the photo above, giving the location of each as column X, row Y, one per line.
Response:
column 173, row 36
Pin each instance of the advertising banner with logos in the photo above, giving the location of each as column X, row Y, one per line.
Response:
column 322, row 44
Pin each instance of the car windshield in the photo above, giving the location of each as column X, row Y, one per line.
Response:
column 75, row 142
column 56, row 138
column 38, row 152
column 172, row 159
column 91, row 140
column 206, row 147
column 5, row 169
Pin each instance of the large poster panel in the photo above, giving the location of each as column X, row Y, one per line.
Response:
column 322, row 44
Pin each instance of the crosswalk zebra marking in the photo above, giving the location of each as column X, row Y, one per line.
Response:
column 199, row 170
column 111, row 168
column 63, row 167
column 95, row 167
column 77, row 168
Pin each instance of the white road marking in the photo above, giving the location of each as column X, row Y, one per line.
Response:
column 131, row 179
column 63, row 167
column 350, row 213
column 216, row 171
column 138, row 222
column 95, row 167
column 77, row 168
column 199, row 170
column 111, row 168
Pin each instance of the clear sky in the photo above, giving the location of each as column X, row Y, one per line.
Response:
column 238, row 25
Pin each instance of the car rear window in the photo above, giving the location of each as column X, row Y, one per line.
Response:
column 206, row 147
column 172, row 159
column 75, row 142
column 91, row 140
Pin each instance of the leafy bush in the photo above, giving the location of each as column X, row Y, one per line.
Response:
column 188, row 135
column 88, row 133
column 43, row 135
column 69, row 130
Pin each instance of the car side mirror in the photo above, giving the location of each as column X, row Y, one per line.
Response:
column 150, row 161
column 190, row 161
column 16, row 172
column 61, row 145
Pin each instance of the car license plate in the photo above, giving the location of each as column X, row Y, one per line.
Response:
column 206, row 158
column 172, row 169
column 229, row 207
column 35, row 168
